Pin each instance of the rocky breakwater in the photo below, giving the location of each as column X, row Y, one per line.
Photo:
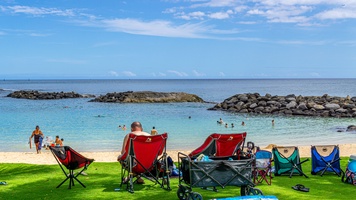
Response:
column 325, row 106
column 36, row 95
column 147, row 97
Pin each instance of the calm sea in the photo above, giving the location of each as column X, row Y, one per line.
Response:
column 78, row 121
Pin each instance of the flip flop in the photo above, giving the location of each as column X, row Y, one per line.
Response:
column 125, row 180
column 3, row 183
column 300, row 187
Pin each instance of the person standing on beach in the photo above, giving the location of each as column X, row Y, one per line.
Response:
column 38, row 136
column 154, row 131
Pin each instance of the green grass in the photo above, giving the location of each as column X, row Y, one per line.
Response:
column 27, row 181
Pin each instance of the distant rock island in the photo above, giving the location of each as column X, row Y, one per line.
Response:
column 147, row 97
column 324, row 106
column 36, row 95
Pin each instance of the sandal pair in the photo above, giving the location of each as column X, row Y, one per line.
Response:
column 300, row 187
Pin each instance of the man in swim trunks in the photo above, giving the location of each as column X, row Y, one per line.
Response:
column 37, row 133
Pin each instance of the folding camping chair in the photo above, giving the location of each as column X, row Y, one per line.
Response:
column 221, row 145
column 141, row 159
column 72, row 160
column 287, row 160
column 325, row 159
column 263, row 167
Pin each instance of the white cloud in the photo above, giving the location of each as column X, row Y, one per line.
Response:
column 124, row 73
column 159, row 74
column 128, row 73
column 339, row 13
column 113, row 73
column 155, row 28
column 315, row 74
column 38, row 11
column 220, row 15
column 181, row 74
column 39, row 35
column 221, row 74
column 196, row 73
column 193, row 15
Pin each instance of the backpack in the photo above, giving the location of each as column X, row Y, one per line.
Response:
column 350, row 173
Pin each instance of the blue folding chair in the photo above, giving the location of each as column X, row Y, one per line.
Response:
column 325, row 158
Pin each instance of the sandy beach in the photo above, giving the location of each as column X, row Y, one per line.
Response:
column 46, row 156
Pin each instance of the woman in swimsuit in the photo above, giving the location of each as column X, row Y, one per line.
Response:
column 37, row 133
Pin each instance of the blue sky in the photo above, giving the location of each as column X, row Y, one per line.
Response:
column 172, row 39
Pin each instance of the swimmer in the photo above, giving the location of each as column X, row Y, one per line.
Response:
column 243, row 123
column 272, row 122
column 232, row 125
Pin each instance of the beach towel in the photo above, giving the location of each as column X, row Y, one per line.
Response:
column 40, row 139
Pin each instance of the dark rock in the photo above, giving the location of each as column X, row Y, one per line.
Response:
column 324, row 106
column 351, row 128
column 36, row 95
column 153, row 97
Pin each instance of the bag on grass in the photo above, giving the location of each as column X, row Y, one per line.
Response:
column 349, row 175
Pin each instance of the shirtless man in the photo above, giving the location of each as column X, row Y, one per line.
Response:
column 136, row 128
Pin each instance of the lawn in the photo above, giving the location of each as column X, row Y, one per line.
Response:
column 28, row 181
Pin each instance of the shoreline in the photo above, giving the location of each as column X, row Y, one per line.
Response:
column 46, row 157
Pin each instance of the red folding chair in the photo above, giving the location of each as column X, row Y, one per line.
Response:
column 263, row 167
column 72, row 160
column 145, row 156
column 221, row 145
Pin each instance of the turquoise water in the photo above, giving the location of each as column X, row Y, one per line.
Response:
column 78, row 121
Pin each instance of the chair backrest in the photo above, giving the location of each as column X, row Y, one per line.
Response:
column 283, row 154
column 70, row 158
column 324, row 155
column 221, row 144
column 145, row 150
column 263, row 159
column 325, row 151
column 284, row 158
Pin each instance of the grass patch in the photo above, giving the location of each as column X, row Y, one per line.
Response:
column 28, row 181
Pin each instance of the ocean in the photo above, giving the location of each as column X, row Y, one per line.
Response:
column 93, row 126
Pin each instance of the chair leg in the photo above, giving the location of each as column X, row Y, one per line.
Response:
column 71, row 178
column 63, row 182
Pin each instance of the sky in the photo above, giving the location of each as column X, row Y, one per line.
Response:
column 177, row 39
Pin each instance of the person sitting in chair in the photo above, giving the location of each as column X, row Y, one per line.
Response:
column 136, row 128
